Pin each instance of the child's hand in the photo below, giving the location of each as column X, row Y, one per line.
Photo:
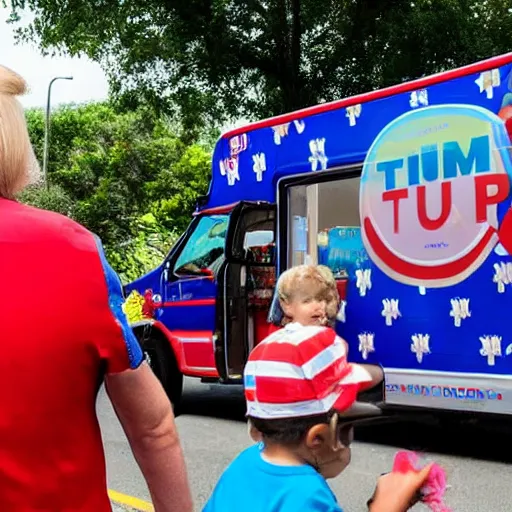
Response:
column 397, row 492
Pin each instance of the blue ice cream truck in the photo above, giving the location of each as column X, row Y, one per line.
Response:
column 404, row 193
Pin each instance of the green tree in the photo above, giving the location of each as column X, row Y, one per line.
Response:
column 144, row 250
column 129, row 177
column 229, row 58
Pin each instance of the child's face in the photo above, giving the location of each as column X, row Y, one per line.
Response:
column 306, row 310
column 330, row 454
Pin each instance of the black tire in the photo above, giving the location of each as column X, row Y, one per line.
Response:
column 161, row 360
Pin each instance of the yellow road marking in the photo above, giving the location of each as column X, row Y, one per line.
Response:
column 130, row 501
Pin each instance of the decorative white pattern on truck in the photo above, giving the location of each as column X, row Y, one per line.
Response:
column 460, row 311
column 390, row 310
column 420, row 345
column 366, row 344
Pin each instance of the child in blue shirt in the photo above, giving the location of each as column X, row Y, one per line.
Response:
column 301, row 403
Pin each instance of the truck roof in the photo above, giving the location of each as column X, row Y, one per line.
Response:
column 248, row 161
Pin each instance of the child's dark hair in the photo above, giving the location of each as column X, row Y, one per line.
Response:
column 288, row 431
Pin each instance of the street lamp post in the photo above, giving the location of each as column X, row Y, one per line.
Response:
column 47, row 127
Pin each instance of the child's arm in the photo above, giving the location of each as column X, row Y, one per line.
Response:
column 396, row 491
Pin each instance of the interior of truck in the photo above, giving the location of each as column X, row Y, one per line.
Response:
column 320, row 223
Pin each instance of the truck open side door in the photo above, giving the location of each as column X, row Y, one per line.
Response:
column 251, row 225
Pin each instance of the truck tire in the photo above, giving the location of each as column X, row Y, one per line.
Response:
column 162, row 361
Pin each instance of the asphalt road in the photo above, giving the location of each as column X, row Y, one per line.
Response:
column 478, row 460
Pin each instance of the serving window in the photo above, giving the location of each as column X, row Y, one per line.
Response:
column 321, row 223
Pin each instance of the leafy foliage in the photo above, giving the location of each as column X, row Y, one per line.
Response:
column 132, row 176
column 144, row 251
column 231, row 58
column 128, row 177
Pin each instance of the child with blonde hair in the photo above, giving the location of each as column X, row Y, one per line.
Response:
column 308, row 295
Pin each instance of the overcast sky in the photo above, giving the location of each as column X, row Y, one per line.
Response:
column 89, row 82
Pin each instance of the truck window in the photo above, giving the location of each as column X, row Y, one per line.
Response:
column 258, row 238
column 324, row 225
column 205, row 247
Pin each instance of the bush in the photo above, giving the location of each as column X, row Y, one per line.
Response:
column 128, row 177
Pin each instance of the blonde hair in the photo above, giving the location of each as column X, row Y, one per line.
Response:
column 18, row 165
column 309, row 281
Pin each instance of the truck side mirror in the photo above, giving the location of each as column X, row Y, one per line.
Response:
column 207, row 272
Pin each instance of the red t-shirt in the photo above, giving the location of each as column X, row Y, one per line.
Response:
column 61, row 329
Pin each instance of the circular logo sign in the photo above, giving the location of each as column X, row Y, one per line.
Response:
column 431, row 184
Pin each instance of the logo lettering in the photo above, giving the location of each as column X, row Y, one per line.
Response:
column 438, row 185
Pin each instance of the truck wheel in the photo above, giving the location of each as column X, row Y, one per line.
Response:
column 161, row 360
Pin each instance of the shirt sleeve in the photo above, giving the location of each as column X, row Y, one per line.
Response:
column 118, row 347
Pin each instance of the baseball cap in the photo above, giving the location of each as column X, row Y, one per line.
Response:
column 303, row 371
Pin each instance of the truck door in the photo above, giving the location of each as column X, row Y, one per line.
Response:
column 250, row 245
column 190, row 291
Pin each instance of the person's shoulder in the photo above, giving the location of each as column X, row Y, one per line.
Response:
column 44, row 225
column 246, row 457
column 241, row 468
column 244, row 463
column 42, row 219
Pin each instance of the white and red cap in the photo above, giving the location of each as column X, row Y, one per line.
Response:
column 301, row 371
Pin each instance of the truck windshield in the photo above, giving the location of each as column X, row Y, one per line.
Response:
column 205, row 246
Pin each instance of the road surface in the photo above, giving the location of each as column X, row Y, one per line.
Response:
column 213, row 431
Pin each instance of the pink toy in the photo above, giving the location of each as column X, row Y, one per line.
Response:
column 435, row 486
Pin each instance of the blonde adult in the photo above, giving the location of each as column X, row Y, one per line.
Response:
column 18, row 165
column 62, row 334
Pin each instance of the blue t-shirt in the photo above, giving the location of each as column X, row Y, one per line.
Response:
column 252, row 484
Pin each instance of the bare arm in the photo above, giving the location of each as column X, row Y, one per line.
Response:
column 148, row 421
column 396, row 492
